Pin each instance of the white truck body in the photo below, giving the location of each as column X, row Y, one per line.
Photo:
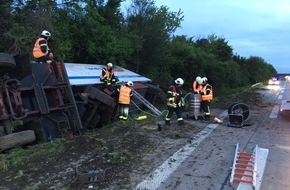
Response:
column 87, row 74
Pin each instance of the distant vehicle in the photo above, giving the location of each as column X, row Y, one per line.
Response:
column 274, row 81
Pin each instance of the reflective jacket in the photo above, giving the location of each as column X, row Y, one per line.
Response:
column 196, row 87
column 107, row 73
column 40, row 42
column 125, row 93
column 206, row 93
column 174, row 97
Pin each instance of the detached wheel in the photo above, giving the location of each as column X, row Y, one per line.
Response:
column 16, row 139
column 7, row 62
column 239, row 108
column 231, row 107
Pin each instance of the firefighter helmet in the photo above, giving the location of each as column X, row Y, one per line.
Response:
column 198, row 79
column 45, row 33
column 110, row 64
column 179, row 81
column 130, row 83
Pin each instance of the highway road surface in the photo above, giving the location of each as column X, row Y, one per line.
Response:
column 206, row 162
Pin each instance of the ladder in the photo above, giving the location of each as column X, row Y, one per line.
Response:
column 146, row 102
column 41, row 98
column 244, row 168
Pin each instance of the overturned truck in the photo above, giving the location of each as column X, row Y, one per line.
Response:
column 36, row 102
column 40, row 102
column 100, row 107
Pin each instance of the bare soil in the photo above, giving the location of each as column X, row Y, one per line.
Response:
column 114, row 157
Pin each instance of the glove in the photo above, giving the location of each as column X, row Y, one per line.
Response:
column 181, row 104
column 48, row 61
column 50, row 55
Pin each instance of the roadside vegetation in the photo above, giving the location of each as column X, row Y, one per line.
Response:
column 140, row 38
column 18, row 157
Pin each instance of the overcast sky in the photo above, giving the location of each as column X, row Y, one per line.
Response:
column 251, row 27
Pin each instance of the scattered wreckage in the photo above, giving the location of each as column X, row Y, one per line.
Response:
column 40, row 102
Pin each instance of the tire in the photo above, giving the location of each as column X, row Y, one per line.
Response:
column 16, row 139
column 231, row 107
column 239, row 108
column 7, row 62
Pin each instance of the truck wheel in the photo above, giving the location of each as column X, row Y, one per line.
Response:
column 230, row 109
column 239, row 108
column 7, row 62
column 16, row 139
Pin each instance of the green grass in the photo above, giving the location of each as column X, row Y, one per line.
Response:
column 19, row 156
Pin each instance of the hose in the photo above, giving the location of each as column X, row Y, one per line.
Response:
column 162, row 113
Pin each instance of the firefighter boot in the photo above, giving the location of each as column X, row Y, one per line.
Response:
column 180, row 122
column 167, row 122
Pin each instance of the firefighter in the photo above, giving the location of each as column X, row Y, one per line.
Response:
column 108, row 75
column 175, row 101
column 206, row 97
column 41, row 51
column 125, row 93
column 197, row 85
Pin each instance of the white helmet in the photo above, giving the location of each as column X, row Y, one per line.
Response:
column 130, row 83
column 198, row 80
column 204, row 80
column 179, row 81
column 110, row 64
column 45, row 33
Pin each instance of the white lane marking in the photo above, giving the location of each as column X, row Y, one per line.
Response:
column 275, row 111
column 155, row 179
column 280, row 97
column 262, row 159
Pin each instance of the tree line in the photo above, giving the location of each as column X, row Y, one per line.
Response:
column 140, row 38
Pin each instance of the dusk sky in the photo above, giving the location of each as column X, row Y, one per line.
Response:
column 251, row 27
